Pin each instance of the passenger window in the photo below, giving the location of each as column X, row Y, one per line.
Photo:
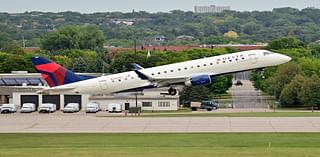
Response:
column 171, row 70
column 152, row 74
column 165, row 72
column 179, row 69
column 211, row 63
column 198, row 66
column 185, row 68
column 159, row 73
column 204, row 64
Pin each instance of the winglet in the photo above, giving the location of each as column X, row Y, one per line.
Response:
column 136, row 66
column 142, row 75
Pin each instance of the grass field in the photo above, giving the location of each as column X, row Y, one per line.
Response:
column 237, row 114
column 223, row 114
column 161, row 145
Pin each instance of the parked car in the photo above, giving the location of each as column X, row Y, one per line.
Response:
column 113, row 107
column 209, row 105
column 71, row 108
column 8, row 108
column 47, row 108
column 93, row 107
column 28, row 108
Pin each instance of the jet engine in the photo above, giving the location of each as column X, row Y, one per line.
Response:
column 198, row 80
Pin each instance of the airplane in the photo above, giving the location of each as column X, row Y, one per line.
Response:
column 188, row 73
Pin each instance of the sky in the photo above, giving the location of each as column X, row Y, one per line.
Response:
column 90, row 6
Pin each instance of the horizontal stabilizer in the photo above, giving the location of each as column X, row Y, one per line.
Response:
column 142, row 76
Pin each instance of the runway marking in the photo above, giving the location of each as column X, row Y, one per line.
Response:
column 316, row 127
column 270, row 123
column 32, row 126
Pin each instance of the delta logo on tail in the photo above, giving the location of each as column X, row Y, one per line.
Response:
column 55, row 74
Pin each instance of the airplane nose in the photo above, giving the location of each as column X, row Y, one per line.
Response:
column 285, row 58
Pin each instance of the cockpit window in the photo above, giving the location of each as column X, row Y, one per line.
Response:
column 266, row 53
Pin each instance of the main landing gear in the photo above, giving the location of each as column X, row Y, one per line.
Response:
column 172, row 91
column 262, row 73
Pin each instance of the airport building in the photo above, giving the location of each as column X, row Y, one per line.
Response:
column 19, row 88
column 211, row 9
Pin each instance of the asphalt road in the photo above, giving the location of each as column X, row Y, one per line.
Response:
column 246, row 96
column 80, row 123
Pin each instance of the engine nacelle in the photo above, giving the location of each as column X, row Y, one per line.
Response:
column 198, row 80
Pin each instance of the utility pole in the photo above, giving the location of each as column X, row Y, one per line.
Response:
column 23, row 42
column 135, row 34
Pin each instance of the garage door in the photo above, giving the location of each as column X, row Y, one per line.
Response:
column 72, row 99
column 54, row 99
column 30, row 99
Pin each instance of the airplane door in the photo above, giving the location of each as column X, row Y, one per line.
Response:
column 253, row 58
column 103, row 84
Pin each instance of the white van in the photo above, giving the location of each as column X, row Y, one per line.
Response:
column 71, row 108
column 47, row 108
column 113, row 107
column 28, row 108
column 93, row 107
column 8, row 108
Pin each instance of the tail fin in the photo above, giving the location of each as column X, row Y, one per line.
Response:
column 55, row 74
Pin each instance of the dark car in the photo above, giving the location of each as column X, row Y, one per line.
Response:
column 209, row 105
column 238, row 83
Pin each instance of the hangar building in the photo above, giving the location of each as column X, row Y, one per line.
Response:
column 22, row 87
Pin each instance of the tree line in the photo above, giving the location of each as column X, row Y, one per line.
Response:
column 215, row 28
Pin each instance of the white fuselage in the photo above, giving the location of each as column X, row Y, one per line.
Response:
column 216, row 65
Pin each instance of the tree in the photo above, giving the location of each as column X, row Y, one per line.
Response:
column 194, row 93
column 315, row 48
column 310, row 65
column 285, row 43
column 231, row 35
column 13, row 62
column 289, row 95
column 220, row 84
column 74, row 37
column 91, row 38
column 283, row 76
column 251, row 28
column 310, row 91
column 4, row 39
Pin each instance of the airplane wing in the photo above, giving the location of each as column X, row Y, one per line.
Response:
column 163, row 81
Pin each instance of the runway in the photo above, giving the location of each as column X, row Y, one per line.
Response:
column 80, row 123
